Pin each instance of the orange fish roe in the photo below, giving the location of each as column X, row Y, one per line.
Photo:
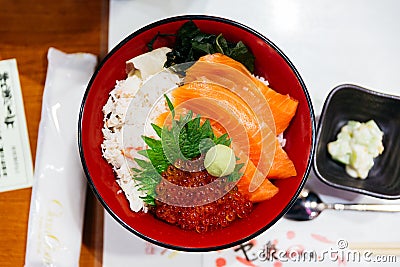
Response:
column 217, row 214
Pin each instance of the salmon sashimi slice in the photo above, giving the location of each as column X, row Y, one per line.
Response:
column 282, row 166
column 264, row 191
column 235, row 81
column 163, row 119
column 283, row 107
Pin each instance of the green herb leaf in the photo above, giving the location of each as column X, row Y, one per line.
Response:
column 242, row 54
column 142, row 163
column 157, row 129
column 223, row 140
column 149, row 200
column 170, row 106
column 236, row 174
column 152, row 143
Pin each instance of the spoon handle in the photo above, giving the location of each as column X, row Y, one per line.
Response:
column 366, row 207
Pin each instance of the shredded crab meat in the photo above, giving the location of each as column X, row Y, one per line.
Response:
column 115, row 109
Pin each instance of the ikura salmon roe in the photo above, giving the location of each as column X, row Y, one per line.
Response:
column 214, row 215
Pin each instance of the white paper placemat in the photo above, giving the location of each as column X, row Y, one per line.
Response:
column 330, row 43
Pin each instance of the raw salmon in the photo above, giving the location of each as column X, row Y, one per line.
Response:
column 283, row 107
column 282, row 166
column 264, row 191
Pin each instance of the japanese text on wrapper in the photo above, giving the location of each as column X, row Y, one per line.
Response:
column 9, row 116
column 9, row 109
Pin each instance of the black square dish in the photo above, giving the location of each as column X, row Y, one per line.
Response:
column 350, row 102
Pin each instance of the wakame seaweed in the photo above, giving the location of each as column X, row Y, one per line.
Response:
column 191, row 44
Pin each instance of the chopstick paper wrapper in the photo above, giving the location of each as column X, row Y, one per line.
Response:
column 15, row 155
column 59, row 187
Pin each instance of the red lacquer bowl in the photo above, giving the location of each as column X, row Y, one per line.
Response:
column 271, row 64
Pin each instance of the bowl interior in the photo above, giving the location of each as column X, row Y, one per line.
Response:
column 350, row 102
column 270, row 64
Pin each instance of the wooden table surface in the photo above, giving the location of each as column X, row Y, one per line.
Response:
column 27, row 30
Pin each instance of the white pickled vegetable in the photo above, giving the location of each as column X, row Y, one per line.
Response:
column 356, row 146
column 148, row 64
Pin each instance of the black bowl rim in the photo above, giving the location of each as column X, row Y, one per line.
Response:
column 320, row 122
column 258, row 35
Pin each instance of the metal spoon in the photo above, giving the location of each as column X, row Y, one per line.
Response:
column 308, row 206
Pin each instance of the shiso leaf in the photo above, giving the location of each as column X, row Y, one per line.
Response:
column 186, row 139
